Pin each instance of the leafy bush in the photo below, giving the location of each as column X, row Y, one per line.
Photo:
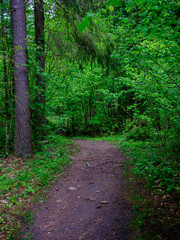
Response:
column 154, row 163
column 138, row 133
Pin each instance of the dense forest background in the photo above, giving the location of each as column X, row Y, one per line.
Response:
column 96, row 68
column 116, row 71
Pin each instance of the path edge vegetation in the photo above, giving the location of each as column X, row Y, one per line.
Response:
column 154, row 200
column 24, row 182
column 153, row 187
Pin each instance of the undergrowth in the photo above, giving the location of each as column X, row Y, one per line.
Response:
column 153, row 173
column 22, row 181
column 153, row 162
column 152, row 170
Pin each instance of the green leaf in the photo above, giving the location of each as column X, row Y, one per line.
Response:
column 116, row 3
column 111, row 8
column 89, row 14
column 84, row 24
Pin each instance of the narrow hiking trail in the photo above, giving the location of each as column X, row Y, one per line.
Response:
column 88, row 202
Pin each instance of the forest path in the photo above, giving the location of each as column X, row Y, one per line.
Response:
column 88, row 202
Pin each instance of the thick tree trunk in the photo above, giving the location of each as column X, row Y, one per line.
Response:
column 40, row 57
column 22, row 112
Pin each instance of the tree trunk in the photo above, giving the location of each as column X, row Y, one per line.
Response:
column 4, row 40
column 22, row 112
column 40, row 57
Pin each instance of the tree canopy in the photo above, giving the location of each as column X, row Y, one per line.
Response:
column 104, row 66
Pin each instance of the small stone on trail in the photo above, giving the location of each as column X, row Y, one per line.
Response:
column 92, row 182
column 57, row 188
column 71, row 188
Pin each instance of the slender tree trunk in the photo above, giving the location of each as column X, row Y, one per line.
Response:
column 6, row 95
column 22, row 112
column 11, row 70
column 6, row 85
column 40, row 57
column 4, row 40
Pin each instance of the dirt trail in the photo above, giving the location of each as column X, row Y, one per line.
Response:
column 87, row 203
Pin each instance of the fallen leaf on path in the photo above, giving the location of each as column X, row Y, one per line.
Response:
column 7, row 195
column 3, row 201
column 104, row 202
column 39, row 183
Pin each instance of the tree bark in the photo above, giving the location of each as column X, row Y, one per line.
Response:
column 40, row 57
column 22, row 112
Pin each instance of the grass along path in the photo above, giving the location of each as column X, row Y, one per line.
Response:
column 23, row 182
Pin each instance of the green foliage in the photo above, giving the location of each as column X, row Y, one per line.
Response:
column 123, row 68
column 155, row 167
column 84, row 24
column 138, row 133
column 111, row 8
column 42, row 168
column 119, row 74
column 117, row 71
column 152, row 171
column 116, row 3
column 154, row 163
column 21, row 179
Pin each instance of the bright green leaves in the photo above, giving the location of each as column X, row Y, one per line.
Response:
column 116, row 3
column 84, row 24
column 86, row 21
column 111, row 8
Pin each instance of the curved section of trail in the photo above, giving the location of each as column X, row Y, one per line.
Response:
column 88, row 202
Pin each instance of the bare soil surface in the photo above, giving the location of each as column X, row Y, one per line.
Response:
column 88, row 202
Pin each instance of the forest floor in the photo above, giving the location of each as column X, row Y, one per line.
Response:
column 88, row 202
